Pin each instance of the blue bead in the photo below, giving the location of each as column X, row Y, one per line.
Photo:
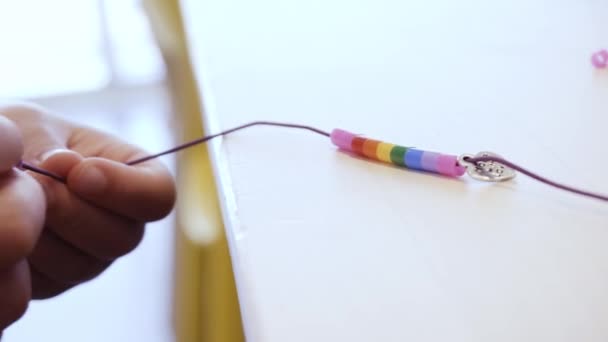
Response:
column 413, row 159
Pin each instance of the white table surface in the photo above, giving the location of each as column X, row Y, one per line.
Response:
column 327, row 247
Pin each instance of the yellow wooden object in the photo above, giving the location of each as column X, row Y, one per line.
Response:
column 206, row 305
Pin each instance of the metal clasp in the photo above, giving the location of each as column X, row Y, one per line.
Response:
column 487, row 171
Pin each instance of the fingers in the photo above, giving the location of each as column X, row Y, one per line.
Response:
column 98, row 217
column 22, row 208
column 44, row 287
column 11, row 145
column 41, row 132
column 60, row 161
column 64, row 263
column 15, row 293
column 21, row 216
column 142, row 193
column 93, row 230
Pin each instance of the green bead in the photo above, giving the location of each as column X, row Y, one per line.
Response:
column 398, row 155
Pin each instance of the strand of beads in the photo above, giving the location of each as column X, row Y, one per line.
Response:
column 410, row 158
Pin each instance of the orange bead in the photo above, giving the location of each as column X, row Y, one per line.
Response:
column 370, row 148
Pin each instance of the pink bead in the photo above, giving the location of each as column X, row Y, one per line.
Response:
column 11, row 146
column 600, row 59
column 342, row 139
column 448, row 165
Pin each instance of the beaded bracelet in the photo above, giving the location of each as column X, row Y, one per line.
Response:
column 484, row 166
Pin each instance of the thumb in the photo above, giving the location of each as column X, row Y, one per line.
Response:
column 11, row 145
column 144, row 192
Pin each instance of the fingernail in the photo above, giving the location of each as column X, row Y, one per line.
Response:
column 48, row 154
column 90, row 181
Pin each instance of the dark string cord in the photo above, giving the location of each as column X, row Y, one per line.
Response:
column 209, row 137
column 202, row 140
column 537, row 176
column 25, row 166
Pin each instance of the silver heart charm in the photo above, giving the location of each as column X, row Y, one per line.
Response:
column 488, row 171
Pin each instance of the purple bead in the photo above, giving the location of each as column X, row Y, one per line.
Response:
column 429, row 161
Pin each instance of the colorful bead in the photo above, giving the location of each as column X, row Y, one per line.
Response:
column 357, row 145
column 402, row 156
column 398, row 155
column 600, row 59
column 370, row 148
column 429, row 161
column 384, row 152
column 342, row 139
column 413, row 159
column 449, row 166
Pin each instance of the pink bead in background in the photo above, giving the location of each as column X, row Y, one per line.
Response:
column 600, row 59
column 11, row 146
column 342, row 139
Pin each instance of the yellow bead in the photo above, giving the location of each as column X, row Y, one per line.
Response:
column 384, row 152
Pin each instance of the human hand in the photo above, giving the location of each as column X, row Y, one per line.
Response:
column 22, row 208
column 99, row 215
